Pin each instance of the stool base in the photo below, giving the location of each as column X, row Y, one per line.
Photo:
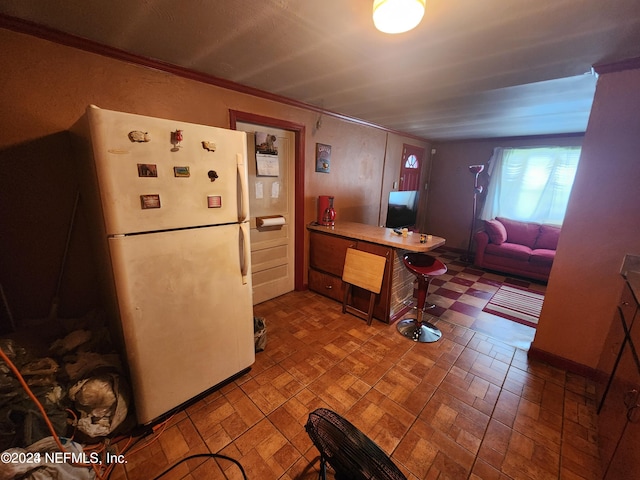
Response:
column 423, row 332
column 413, row 306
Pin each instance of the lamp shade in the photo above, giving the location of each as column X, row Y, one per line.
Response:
column 476, row 169
column 397, row 16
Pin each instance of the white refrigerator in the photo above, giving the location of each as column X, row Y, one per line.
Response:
column 171, row 203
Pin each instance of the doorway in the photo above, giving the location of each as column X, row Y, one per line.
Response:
column 411, row 167
column 277, row 252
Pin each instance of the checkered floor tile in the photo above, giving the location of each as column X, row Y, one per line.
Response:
column 461, row 294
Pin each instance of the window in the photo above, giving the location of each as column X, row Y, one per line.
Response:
column 412, row 162
column 530, row 184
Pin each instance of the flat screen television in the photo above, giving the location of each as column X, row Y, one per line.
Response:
column 402, row 210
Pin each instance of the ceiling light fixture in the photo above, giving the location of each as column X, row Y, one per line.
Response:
column 397, row 16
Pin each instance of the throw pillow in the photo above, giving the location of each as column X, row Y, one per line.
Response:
column 496, row 231
column 548, row 237
column 522, row 233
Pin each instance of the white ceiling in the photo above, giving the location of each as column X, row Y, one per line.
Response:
column 472, row 69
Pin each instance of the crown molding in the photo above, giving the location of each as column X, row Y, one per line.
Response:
column 30, row 28
column 628, row 64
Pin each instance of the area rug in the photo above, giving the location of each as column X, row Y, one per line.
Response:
column 516, row 304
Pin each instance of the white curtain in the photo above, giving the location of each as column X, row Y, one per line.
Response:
column 530, row 184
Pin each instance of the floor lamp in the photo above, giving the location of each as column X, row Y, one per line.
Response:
column 477, row 189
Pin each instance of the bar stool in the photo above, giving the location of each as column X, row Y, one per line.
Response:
column 423, row 267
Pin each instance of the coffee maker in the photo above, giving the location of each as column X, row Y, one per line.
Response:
column 326, row 212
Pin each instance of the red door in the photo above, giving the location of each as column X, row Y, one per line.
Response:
column 411, row 167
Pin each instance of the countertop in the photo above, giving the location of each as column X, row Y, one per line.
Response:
column 379, row 235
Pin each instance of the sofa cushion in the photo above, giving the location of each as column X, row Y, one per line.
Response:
column 542, row 256
column 496, row 231
column 523, row 233
column 510, row 250
column 548, row 237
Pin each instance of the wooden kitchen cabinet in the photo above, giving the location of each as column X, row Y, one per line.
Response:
column 327, row 252
column 326, row 262
column 610, row 356
column 619, row 396
column 612, row 418
column 624, row 464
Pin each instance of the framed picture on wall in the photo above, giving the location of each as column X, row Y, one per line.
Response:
column 323, row 158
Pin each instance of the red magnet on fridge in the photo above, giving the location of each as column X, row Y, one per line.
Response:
column 177, row 138
column 214, row 201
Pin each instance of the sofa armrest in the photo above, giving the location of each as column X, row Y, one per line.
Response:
column 482, row 240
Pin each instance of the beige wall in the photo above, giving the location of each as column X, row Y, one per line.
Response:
column 601, row 226
column 45, row 87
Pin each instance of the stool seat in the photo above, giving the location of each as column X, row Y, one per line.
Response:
column 423, row 267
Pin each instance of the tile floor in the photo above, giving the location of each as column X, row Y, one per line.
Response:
column 461, row 294
column 471, row 406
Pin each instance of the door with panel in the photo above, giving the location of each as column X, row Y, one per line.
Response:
column 411, row 167
column 271, row 194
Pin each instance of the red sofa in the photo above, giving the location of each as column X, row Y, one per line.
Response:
column 518, row 248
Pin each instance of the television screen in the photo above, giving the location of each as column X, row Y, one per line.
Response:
column 402, row 210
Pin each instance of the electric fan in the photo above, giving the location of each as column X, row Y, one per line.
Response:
column 350, row 452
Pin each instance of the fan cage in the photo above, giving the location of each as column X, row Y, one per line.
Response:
column 351, row 454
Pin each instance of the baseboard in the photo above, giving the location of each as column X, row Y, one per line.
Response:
column 563, row 363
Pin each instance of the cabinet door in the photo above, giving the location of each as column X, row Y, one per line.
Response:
column 327, row 252
column 609, row 356
column 625, row 464
column 612, row 421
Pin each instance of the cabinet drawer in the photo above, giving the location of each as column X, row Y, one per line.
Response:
column 327, row 252
column 326, row 284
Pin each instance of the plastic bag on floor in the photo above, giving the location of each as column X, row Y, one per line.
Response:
column 39, row 468
column 259, row 333
column 103, row 403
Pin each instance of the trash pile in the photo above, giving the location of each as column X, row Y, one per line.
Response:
column 79, row 383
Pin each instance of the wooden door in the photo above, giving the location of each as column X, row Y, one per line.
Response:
column 411, row 167
column 272, row 248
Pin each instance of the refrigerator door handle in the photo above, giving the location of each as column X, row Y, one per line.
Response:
column 246, row 251
column 244, row 190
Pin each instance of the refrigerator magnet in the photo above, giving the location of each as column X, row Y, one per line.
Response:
column 211, row 146
column 139, row 136
column 150, row 201
column 147, row 170
column 181, row 172
column 214, row 201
